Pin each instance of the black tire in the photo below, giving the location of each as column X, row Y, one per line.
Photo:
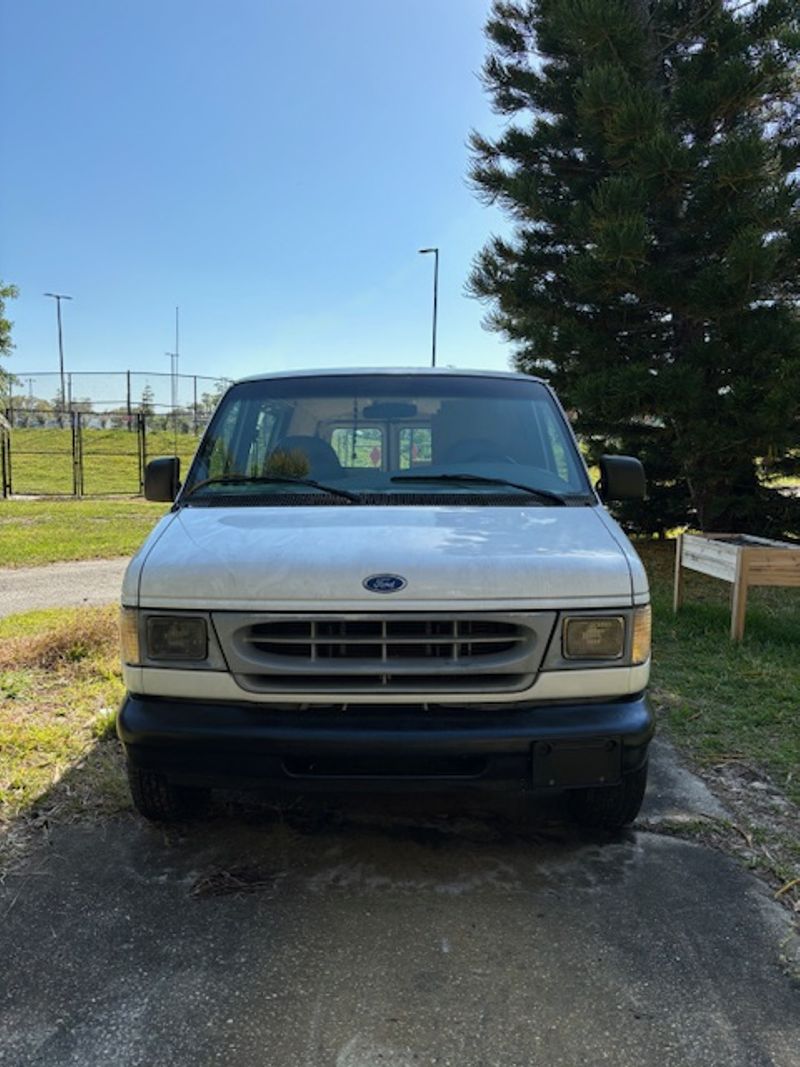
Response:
column 157, row 799
column 610, row 807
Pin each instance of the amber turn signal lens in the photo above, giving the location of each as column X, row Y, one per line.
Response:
column 642, row 633
column 129, row 635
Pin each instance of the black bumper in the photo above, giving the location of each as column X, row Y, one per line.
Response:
column 251, row 745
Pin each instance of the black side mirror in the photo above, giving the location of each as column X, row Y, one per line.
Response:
column 162, row 479
column 621, row 478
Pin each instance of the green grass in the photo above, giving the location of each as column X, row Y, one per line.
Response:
column 41, row 459
column 59, row 687
column 725, row 701
column 33, row 532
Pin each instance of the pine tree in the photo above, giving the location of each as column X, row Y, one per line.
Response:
column 649, row 165
column 147, row 401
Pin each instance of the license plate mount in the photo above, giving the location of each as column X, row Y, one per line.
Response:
column 572, row 764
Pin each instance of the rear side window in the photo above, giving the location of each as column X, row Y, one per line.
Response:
column 358, row 447
column 415, row 447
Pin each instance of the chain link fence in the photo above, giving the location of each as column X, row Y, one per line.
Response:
column 99, row 440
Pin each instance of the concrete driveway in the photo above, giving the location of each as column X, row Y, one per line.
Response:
column 394, row 934
column 61, row 585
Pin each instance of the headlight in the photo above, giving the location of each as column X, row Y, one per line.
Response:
column 594, row 637
column 642, row 629
column 129, row 635
column 173, row 637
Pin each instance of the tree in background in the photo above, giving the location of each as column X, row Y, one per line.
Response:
column 649, row 167
column 7, row 292
column 208, row 401
column 147, row 400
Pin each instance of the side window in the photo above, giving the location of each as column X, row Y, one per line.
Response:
column 220, row 460
column 360, row 447
column 263, row 438
column 242, row 440
column 415, row 446
column 554, row 439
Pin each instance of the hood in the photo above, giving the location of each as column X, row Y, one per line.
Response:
column 301, row 558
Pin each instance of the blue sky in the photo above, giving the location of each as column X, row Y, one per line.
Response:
column 271, row 167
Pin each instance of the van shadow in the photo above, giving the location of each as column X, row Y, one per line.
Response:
column 247, row 843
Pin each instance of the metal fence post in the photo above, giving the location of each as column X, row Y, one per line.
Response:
column 77, row 454
column 194, row 406
column 74, row 428
column 141, row 431
column 5, row 455
column 128, row 398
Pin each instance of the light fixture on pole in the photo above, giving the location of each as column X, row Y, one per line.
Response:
column 58, row 297
column 435, row 252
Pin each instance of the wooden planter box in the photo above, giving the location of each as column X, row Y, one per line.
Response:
column 739, row 559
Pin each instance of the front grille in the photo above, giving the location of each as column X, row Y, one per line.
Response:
column 402, row 652
column 386, row 639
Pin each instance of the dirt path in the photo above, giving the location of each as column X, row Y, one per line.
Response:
column 60, row 585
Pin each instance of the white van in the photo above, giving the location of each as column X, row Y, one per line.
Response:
column 388, row 579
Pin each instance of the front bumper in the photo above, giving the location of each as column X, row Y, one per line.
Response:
column 244, row 745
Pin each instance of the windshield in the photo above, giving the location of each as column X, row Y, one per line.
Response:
column 389, row 435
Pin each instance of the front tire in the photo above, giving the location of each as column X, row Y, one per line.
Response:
column 610, row 807
column 159, row 800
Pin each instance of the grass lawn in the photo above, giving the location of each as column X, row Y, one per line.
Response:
column 41, row 459
column 59, row 689
column 44, row 531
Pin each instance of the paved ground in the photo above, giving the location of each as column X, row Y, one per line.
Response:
column 60, row 585
column 393, row 934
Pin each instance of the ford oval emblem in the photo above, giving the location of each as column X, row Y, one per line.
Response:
column 384, row 583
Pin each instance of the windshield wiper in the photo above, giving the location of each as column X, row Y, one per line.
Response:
column 266, row 479
column 545, row 494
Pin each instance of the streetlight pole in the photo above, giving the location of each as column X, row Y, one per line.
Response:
column 173, row 379
column 173, row 366
column 177, row 356
column 425, row 252
column 58, row 297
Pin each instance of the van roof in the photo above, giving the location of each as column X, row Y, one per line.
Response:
column 327, row 372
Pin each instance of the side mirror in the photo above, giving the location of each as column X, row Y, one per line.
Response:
column 162, row 479
column 621, row 478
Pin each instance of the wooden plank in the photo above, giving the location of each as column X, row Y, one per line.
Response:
column 727, row 566
column 712, row 569
column 774, row 567
column 677, row 589
column 784, row 578
column 723, row 568
column 776, row 556
column 720, row 550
